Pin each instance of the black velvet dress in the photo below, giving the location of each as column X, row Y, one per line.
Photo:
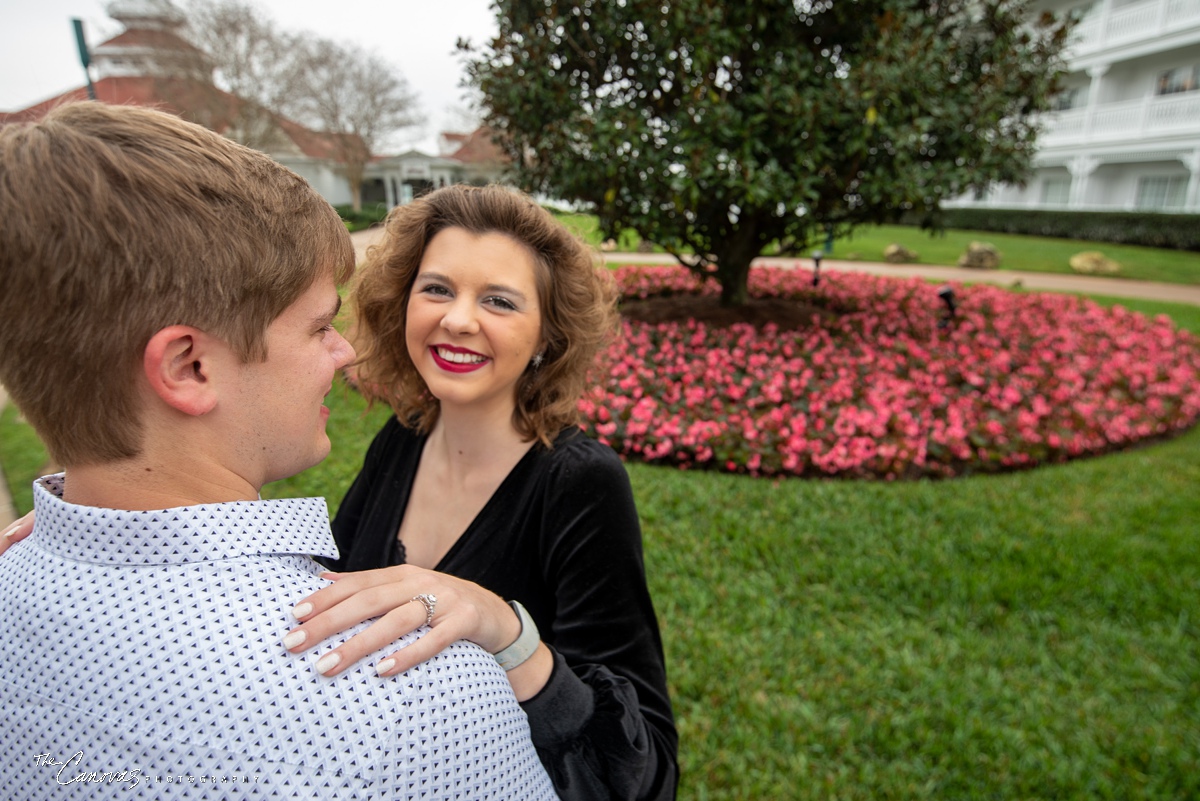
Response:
column 561, row 536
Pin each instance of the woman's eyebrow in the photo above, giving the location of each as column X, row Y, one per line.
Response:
column 507, row 290
column 502, row 288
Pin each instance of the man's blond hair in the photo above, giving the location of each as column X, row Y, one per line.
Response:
column 118, row 221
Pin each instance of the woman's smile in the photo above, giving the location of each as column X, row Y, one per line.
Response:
column 473, row 323
column 457, row 360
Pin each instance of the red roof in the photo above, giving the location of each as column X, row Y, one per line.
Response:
column 140, row 91
column 194, row 100
column 479, row 148
column 313, row 143
column 148, row 38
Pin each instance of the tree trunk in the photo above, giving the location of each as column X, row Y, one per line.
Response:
column 353, row 170
column 733, row 262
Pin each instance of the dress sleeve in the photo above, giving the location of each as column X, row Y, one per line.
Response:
column 603, row 724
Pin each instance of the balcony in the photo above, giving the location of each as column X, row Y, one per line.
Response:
column 1131, row 120
column 1131, row 24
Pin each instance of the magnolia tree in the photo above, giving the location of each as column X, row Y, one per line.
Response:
column 716, row 129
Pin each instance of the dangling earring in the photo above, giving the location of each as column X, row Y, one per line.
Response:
column 537, row 361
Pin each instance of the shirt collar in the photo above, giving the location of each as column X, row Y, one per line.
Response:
column 205, row 532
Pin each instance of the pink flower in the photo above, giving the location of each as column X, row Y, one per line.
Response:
column 880, row 391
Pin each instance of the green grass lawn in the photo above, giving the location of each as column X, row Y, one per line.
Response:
column 22, row 455
column 1026, row 636
column 1027, row 253
column 1024, row 253
column 587, row 228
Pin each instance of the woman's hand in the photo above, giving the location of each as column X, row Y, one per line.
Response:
column 463, row 611
column 15, row 531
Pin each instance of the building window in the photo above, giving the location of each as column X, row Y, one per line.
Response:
column 1056, row 191
column 1065, row 100
column 1156, row 192
column 1180, row 79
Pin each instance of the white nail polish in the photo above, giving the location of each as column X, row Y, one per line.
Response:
column 294, row 639
column 328, row 662
column 385, row 666
column 302, row 611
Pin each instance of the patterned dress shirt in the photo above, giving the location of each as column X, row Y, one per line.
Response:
column 141, row 657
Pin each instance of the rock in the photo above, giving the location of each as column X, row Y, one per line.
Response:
column 645, row 246
column 980, row 256
column 608, row 245
column 898, row 254
column 1093, row 262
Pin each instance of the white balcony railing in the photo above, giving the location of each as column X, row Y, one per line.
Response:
column 1141, row 21
column 1130, row 119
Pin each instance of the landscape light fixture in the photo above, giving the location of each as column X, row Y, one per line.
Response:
column 946, row 293
column 817, row 255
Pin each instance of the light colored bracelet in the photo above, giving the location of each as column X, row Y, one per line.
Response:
column 526, row 643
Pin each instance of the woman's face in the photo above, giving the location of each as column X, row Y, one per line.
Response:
column 473, row 318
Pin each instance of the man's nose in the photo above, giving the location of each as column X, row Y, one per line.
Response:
column 344, row 350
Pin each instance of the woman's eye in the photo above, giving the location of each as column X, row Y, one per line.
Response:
column 502, row 303
column 435, row 289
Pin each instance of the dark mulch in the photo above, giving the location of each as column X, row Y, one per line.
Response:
column 707, row 309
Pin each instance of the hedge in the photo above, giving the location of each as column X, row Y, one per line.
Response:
column 1152, row 229
column 371, row 214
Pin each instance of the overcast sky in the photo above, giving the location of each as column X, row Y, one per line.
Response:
column 38, row 58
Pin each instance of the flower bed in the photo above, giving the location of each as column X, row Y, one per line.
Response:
column 877, row 390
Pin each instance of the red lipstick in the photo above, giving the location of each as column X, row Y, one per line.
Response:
column 456, row 367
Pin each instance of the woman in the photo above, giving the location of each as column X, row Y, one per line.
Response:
column 478, row 318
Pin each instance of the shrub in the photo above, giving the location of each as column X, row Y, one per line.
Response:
column 371, row 214
column 1151, row 229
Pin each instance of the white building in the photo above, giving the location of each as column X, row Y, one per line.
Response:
column 150, row 63
column 1126, row 131
column 470, row 158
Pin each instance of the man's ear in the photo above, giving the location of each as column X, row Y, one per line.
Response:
column 178, row 363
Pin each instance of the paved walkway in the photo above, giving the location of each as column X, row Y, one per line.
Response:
column 1050, row 282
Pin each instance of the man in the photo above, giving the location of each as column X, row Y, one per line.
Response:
column 168, row 299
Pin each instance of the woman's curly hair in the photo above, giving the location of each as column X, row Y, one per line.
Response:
column 577, row 298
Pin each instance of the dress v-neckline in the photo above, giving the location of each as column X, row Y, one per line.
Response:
column 399, row 552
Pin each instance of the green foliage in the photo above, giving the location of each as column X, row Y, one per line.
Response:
column 587, row 227
column 371, row 214
column 718, row 128
column 1152, row 229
